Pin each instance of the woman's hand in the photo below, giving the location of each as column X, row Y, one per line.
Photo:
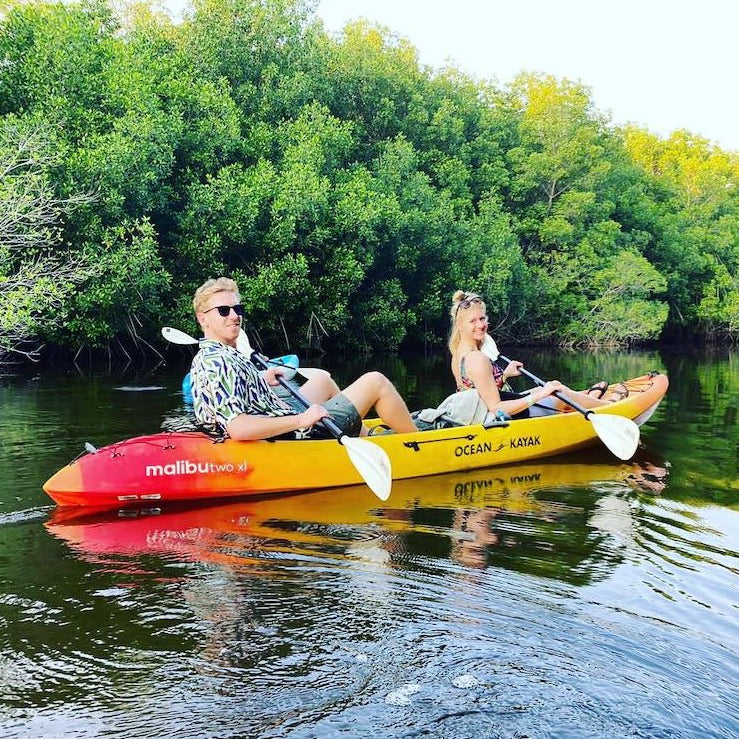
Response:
column 549, row 388
column 512, row 370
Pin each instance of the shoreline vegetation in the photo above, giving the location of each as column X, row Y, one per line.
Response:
column 348, row 189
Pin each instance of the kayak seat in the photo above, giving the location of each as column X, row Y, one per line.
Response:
column 380, row 430
column 431, row 421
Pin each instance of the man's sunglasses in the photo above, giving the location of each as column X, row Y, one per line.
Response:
column 224, row 310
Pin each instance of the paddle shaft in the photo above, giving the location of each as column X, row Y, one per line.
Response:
column 175, row 336
column 557, row 393
column 328, row 422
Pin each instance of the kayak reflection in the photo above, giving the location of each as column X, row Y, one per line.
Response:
column 547, row 518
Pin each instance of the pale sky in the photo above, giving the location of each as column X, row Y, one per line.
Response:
column 662, row 64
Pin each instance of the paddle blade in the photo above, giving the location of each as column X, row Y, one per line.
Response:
column 490, row 348
column 243, row 344
column 176, row 336
column 619, row 434
column 372, row 463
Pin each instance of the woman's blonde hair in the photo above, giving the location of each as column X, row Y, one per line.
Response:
column 211, row 287
column 461, row 300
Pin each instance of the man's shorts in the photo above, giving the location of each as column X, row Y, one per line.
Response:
column 342, row 412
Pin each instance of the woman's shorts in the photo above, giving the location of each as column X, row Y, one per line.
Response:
column 544, row 407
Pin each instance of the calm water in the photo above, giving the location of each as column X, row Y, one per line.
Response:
column 580, row 597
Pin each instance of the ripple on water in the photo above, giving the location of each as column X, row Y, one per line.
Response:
column 682, row 571
column 542, row 658
column 29, row 514
column 538, row 620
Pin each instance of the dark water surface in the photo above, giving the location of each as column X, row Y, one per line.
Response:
column 577, row 597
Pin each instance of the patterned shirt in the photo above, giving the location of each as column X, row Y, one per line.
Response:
column 225, row 384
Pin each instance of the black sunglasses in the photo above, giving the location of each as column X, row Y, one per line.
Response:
column 224, row 310
column 467, row 302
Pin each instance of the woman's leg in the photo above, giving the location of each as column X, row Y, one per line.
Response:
column 374, row 389
column 585, row 400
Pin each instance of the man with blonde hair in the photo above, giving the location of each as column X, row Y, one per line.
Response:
column 232, row 396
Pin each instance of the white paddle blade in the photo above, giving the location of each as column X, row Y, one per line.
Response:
column 175, row 336
column 619, row 434
column 243, row 344
column 490, row 348
column 372, row 463
column 289, row 364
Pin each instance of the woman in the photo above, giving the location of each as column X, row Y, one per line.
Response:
column 472, row 368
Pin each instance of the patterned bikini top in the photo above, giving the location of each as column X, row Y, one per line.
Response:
column 467, row 383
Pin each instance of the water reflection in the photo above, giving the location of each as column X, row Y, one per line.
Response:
column 587, row 599
column 545, row 599
column 532, row 518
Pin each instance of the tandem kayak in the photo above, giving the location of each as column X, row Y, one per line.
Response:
column 191, row 466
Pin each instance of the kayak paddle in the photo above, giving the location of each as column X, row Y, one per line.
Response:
column 175, row 336
column 370, row 460
column 619, row 434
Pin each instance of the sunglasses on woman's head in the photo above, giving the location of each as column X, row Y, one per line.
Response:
column 224, row 310
column 467, row 301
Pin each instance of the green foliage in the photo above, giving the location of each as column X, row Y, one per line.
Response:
column 127, row 288
column 347, row 188
column 263, row 290
column 696, row 229
column 504, row 278
column 223, row 222
column 621, row 307
column 385, row 317
column 54, row 56
column 38, row 277
column 32, row 300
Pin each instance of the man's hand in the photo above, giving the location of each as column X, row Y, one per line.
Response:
column 311, row 416
column 271, row 375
